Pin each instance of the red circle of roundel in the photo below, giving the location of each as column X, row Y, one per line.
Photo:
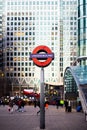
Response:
column 47, row 61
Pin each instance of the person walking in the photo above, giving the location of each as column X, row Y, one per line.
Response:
column 57, row 103
column 46, row 105
column 66, row 105
column 38, row 104
column 35, row 103
column 10, row 106
column 22, row 105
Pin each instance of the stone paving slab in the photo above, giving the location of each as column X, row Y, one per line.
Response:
column 55, row 119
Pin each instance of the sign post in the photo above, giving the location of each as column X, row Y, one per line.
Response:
column 42, row 53
column 42, row 101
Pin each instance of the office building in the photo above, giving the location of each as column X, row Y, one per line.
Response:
column 69, row 17
column 82, row 28
column 1, row 9
column 29, row 23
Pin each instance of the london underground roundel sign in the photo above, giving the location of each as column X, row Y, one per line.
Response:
column 42, row 56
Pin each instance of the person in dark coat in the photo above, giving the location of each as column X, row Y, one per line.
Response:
column 35, row 103
column 57, row 103
column 22, row 105
column 66, row 105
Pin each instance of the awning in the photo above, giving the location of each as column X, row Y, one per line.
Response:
column 31, row 93
column 54, row 84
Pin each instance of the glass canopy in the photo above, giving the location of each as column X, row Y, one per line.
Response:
column 75, row 76
column 80, row 73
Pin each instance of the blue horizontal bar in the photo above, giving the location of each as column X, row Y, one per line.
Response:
column 42, row 56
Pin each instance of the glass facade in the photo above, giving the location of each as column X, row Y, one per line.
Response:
column 75, row 77
column 80, row 73
column 70, row 84
column 82, row 27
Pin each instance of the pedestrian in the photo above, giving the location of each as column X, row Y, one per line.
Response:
column 79, row 107
column 22, row 105
column 10, row 108
column 18, row 103
column 61, row 102
column 38, row 104
column 57, row 103
column 46, row 104
column 35, row 103
column 69, row 106
column 66, row 105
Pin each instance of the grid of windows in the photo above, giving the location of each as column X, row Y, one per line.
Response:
column 1, row 58
column 69, row 17
column 39, row 23
column 36, row 23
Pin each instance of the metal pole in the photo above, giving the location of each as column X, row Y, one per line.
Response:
column 42, row 101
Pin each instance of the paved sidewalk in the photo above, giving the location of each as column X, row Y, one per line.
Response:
column 55, row 119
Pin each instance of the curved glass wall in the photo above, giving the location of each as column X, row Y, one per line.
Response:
column 80, row 73
column 75, row 77
column 82, row 27
column 70, row 84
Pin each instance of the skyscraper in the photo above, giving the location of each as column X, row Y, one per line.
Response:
column 29, row 23
column 82, row 28
column 1, row 9
column 69, row 17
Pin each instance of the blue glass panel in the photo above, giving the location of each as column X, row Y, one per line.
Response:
column 81, row 10
column 80, row 73
column 80, row 1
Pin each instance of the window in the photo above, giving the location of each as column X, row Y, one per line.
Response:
column 29, row 74
column 26, row 74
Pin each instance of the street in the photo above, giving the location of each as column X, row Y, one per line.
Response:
column 55, row 119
